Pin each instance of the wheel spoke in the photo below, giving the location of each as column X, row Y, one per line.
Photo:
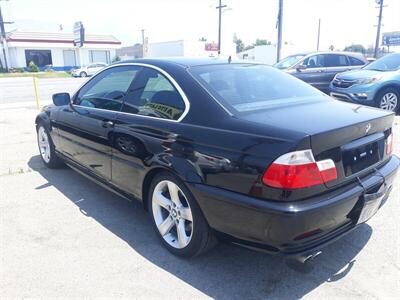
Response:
column 174, row 193
column 182, row 237
column 186, row 213
column 162, row 201
column 166, row 226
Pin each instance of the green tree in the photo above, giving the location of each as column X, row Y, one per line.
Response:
column 355, row 48
column 116, row 58
column 32, row 67
column 239, row 43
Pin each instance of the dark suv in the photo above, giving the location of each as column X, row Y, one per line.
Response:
column 319, row 68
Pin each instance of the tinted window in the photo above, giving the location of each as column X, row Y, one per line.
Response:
column 355, row 61
column 247, row 87
column 314, row 61
column 107, row 89
column 335, row 60
column 41, row 58
column 154, row 95
column 99, row 56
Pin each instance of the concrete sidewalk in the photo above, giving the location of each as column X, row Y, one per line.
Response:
column 63, row 236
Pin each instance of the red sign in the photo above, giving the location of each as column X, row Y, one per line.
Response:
column 211, row 46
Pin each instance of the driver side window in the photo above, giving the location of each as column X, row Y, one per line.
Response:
column 315, row 61
column 107, row 90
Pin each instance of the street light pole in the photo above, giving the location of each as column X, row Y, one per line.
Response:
column 378, row 30
column 319, row 31
column 219, row 7
column 3, row 39
column 143, row 45
column 279, row 46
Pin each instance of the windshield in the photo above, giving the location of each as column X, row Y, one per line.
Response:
column 288, row 61
column 249, row 87
column 390, row 62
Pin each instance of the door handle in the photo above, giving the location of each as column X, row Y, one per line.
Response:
column 107, row 124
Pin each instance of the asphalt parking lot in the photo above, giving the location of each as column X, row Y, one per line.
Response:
column 20, row 90
column 63, row 236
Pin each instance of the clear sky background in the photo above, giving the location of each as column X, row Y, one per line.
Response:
column 343, row 22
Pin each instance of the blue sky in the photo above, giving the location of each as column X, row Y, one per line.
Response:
column 343, row 21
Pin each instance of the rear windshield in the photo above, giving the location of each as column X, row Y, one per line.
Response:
column 248, row 87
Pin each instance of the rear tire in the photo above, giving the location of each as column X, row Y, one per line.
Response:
column 83, row 74
column 388, row 99
column 47, row 149
column 177, row 218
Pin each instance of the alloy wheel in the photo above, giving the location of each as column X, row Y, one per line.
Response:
column 44, row 144
column 172, row 214
column 388, row 101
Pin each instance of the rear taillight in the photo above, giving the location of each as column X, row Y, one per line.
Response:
column 299, row 169
column 389, row 144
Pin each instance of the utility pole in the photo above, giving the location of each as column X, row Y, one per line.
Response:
column 3, row 39
column 378, row 30
column 319, row 31
column 279, row 25
column 219, row 7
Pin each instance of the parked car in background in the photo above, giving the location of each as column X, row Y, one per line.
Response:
column 243, row 172
column 377, row 84
column 88, row 70
column 319, row 68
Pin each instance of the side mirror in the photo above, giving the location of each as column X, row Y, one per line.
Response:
column 61, row 99
column 301, row 67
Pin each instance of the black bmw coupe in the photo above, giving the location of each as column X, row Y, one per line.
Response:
column 221, row 149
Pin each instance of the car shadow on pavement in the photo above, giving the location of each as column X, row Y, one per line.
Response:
column 226, row 272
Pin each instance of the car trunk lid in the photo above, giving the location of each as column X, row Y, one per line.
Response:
column 353, row 136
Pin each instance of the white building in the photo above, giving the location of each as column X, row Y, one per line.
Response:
column 264, row 53
column 57, row 49
column 180, row 48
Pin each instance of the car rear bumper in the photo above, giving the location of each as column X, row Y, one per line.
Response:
column 291, row 228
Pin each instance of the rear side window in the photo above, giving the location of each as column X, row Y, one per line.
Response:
column 106, row 90
column 336, row 60
column 154, row 95
column 248, row 87
column 355, row 61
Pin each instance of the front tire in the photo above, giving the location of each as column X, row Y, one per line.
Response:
column 83, row 74
column 47, row 149
column 177, row 218
column 388, row 99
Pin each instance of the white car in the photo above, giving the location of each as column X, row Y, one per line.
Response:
column 88, row 70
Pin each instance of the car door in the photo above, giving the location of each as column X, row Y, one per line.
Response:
column 311, row 70
column 85, row 126
column 335, row 63
column 150, row 110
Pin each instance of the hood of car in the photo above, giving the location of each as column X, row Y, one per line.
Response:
column 358, row 74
